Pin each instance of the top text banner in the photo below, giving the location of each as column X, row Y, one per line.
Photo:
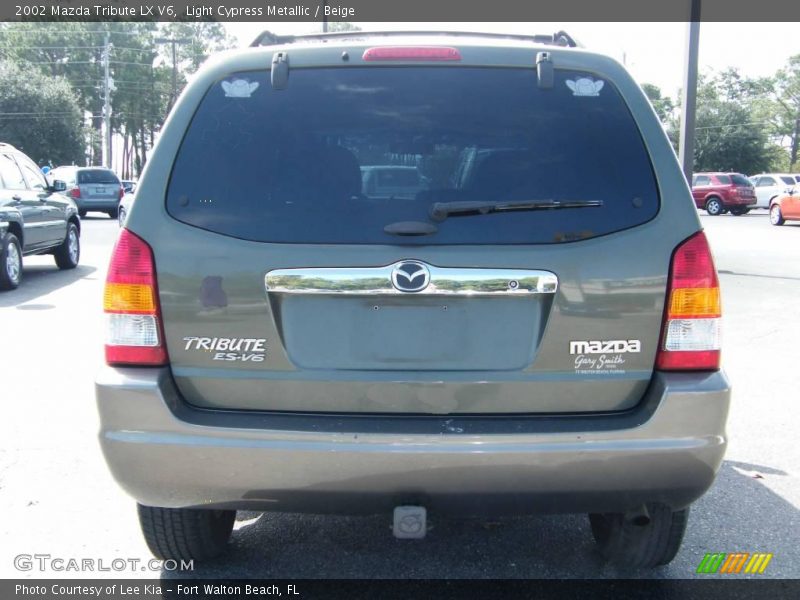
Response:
column 401, row 10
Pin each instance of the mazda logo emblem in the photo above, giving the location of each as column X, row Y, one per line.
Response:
column 410, row 276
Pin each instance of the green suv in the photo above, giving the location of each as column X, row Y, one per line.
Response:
column 35, row 218
column 535, row 329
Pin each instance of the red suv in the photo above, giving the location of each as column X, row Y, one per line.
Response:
column 722, row 192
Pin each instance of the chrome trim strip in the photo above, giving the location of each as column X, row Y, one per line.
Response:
column 444, row 281
column 38, row 224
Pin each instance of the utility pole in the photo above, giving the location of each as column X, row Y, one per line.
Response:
column 106, row 143
column 324, row 17
column 689, row 100
column 174, row 42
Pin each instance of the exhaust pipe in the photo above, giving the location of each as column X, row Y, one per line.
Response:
column 638, row 516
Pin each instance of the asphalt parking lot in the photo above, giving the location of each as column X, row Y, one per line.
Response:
column 57, row 497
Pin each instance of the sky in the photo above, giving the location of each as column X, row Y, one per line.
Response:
column 652, row 52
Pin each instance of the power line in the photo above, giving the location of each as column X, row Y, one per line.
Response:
column 122, row 62
column 2, row 114
column 734, row 125
column 39, row 32
column 94, row 80
column 85, row 62
column 127, row 85
column 62, row 114
column 63, row 64
column 23, row 48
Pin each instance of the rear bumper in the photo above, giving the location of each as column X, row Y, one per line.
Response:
column 736, row 201
column 84, row 204
column 166, row 453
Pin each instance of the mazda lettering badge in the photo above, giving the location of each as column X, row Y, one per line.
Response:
column 410, row 276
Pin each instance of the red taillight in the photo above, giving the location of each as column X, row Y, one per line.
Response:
column 426, row 53
column 121, row 192
column 134, row 334
column 690, row 339
column 75, row 192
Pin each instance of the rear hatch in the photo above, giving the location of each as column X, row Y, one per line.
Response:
column 286, row 286
column 743, row 187
column 98, row 185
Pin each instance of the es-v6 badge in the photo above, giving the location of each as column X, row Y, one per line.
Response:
column 229, row 349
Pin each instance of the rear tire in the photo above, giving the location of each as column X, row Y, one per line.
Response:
column 68, row 254
column 775, row 215
column 640, row 546
column 81, row 213
column 185, row 533
column 738, row 212
column 113, row 213
column 10, row 262
column 714, row 207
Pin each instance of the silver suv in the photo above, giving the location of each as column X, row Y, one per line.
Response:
column 94, row 189
column 535, row 329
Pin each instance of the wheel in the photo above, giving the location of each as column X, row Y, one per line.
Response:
column 121, row 217
column 714, row 207
column 185, row 533
column 631, row 545
column 775, row 215
column 81, row 213
column 68, row 253
column 10, row 262
column 738, row 212
column 112, row 213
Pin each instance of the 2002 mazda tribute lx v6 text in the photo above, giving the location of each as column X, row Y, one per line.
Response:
column 534, row 328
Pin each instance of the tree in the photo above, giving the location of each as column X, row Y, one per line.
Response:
column 140, row 68
column 334, row 26
column 207, row 37
column 725, row 140
column 40, row 116
column 784, row 108
column 663, row 105
column 730, row 132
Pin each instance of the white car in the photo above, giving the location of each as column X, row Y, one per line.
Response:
column 771, row 185
column 125, row 207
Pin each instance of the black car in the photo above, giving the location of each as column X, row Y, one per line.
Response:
column 34, row 218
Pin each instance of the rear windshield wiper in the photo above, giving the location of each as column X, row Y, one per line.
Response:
column 441, row 210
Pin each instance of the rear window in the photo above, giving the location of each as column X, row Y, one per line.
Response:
column 724, row 179
column 291, row 165
column 97, row 176
column 741, row 180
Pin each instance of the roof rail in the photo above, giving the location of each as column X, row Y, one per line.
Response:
column 560, row 38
